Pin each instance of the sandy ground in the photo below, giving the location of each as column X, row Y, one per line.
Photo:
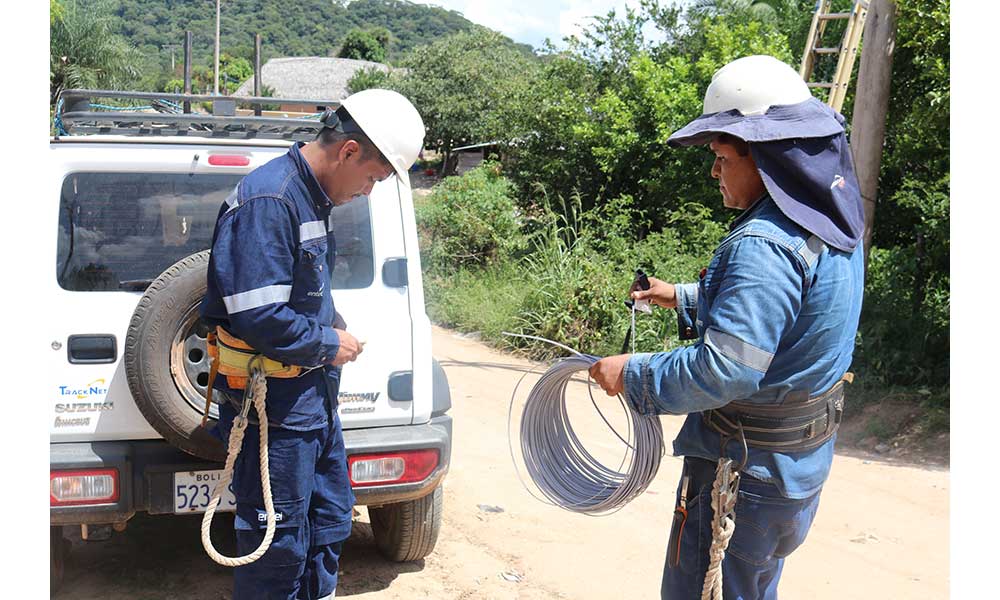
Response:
column 881, row 531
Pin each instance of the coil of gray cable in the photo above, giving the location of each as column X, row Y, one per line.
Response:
column 557, row 461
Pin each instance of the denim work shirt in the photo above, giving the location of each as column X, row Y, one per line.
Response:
column 776, row 311
column 269, row 285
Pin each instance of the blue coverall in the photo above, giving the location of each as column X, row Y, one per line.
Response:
column 776, row 311
column 269, row 285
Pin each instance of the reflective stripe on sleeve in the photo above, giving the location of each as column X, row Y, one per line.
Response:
column 257, row 298
column 812, row 250
column 736, row 349
column 312, row 230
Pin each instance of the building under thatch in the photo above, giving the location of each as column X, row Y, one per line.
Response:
column 309, row 77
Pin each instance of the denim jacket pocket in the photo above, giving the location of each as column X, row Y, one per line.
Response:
column 311, row 276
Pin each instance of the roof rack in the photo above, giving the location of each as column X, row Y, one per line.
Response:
column 170, row 115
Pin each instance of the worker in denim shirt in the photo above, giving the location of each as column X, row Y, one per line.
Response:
column 269, row 282
column 775, row 314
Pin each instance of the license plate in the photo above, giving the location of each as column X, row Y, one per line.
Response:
column 193, row 491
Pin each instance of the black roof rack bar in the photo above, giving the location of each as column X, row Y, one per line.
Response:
column 75, row 116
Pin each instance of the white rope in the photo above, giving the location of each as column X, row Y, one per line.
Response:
column 724, row 495
column 258, row 392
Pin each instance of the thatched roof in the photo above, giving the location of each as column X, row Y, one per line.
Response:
column 309, row 77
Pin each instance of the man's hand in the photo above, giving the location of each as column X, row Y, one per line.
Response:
column 349, row 348
column 659, row 293
column 609, row 373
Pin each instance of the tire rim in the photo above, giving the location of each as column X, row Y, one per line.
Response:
column 189, row 362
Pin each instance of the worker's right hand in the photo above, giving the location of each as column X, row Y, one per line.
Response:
column 349, row 348
column 659, row 293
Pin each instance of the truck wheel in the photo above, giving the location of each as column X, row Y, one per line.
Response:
column 166, row 358
column 408, row 530
column 58, row 554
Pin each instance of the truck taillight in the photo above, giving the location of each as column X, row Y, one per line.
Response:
column 90, row 486
column 394, row 467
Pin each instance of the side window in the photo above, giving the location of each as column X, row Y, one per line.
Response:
column 119, row 231
column 351, row 226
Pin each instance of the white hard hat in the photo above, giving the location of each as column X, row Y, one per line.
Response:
column 392, row 123
column 753, row 84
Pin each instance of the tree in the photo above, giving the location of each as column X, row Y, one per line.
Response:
column 364, row 79
column 84, row 51
column 909, row 265
column 234, row 71
column 469, row 88
column 363, row 45
column 603, row 111
column 55, row 12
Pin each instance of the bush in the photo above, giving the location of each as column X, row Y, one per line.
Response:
column 571, row 283
column 468, row 221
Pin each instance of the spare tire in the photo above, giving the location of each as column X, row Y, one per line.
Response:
column 166, row 358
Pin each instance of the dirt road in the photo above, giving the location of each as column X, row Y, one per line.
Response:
column 881, row 531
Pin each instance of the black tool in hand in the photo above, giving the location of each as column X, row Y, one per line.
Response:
column 642, row 282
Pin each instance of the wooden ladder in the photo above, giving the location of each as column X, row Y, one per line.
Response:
column 846, row 50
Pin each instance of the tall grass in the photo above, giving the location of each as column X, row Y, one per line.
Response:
column 568, row 283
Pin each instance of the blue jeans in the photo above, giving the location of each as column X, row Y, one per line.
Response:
column 768, row 528
column 313, row 502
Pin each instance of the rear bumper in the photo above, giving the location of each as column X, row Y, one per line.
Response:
column 146, row 469
column 434, row 434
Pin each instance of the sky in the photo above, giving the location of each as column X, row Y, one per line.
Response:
column 531, row 21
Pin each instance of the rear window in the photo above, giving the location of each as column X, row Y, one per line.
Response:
column 119, row 231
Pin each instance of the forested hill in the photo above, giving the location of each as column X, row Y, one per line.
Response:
column 287, row 27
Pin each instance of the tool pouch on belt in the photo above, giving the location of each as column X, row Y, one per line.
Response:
column 233, row 355
column 798, row 424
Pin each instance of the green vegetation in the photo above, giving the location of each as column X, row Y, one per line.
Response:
column 83, row 50
column 362, row 44
column 471, row 222
column 587, row 178
column 492, row 267
column 302, row 28
column 364, row 79
column 584, row 189
column 471, row 87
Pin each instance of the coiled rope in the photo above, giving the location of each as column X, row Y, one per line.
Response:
column 255, row 394
column 724, row 495
column 562, row 469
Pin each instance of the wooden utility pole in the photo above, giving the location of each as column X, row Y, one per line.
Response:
column 871, row 105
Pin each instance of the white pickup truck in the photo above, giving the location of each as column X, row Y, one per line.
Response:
column 131, row 222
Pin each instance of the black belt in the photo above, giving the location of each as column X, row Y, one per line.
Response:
column 799, row 423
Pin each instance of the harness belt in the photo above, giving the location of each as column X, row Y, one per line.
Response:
column 800, row 423
column 233, row 356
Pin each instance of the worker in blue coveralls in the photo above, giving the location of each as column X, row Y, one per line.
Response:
column 269, row 286
column 774, row 314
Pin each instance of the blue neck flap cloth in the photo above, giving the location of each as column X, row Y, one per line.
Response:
column 802, row 155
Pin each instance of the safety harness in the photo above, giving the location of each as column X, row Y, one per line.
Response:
column 245, row 369
column 799, row 423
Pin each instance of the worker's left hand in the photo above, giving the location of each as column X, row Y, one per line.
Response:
column 609, row 373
